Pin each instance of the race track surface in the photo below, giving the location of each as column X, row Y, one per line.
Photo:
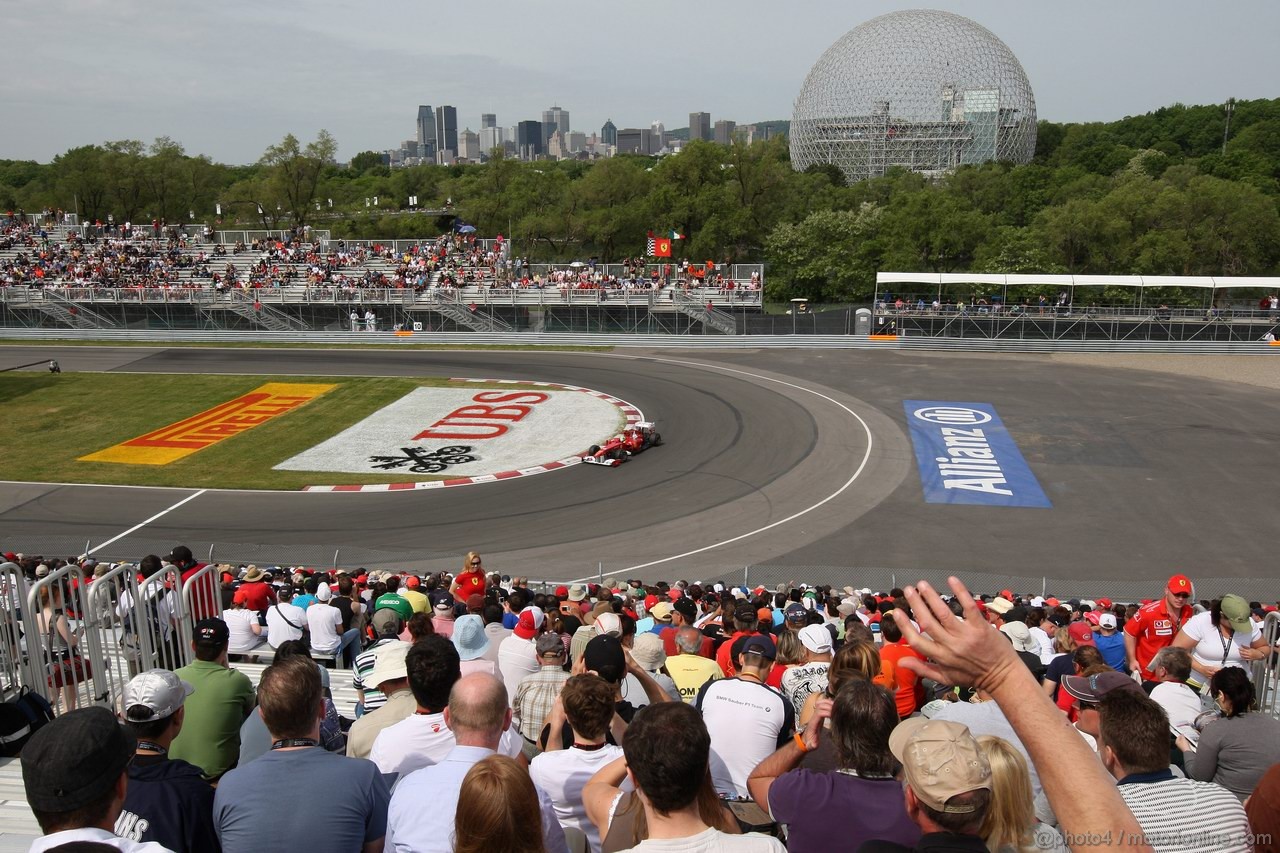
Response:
column 788, row 458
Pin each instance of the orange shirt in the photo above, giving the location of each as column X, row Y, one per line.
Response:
column 907, row 691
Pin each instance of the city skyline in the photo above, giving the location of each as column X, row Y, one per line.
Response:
column 254, row 74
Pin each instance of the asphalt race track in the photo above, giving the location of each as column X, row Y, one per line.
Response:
column 788, row 458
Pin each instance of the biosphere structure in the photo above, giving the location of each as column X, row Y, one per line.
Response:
column 921, row 89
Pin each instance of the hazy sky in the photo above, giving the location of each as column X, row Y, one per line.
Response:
column 227, row 78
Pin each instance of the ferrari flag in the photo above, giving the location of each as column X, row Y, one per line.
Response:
column 659, row 247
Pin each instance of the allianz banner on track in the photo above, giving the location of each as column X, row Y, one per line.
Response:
column 466, row 432
column 966, row 456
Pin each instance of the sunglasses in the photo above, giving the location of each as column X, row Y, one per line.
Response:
column 1180, row 594
column 475, row 562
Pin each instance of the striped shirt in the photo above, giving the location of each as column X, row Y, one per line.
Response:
column 1185, row 816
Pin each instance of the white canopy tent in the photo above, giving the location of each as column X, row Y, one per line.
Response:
column 1070, row 282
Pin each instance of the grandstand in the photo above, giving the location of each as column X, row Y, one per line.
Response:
column 189, row 277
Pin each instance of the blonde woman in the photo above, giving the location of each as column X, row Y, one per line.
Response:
column 1010, row 825
column 471, row 580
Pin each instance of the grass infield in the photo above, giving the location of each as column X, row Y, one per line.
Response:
column 52, row 420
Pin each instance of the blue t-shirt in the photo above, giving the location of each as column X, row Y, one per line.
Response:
column 304, row 601
column 354, row 794
column 509, row 620
column 1112, row 650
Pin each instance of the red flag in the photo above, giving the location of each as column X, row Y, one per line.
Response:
column 662, row 247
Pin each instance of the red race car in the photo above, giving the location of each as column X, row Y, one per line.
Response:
column 631, row 441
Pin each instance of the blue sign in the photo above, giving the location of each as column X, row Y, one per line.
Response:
column 966, row 456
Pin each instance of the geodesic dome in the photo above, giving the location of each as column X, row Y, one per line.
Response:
column 920, row 89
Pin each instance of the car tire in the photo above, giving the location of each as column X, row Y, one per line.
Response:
column 593, row 450
column 617, row 453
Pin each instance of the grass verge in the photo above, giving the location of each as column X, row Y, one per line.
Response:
column 52, row 420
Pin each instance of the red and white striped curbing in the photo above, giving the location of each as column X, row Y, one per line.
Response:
column 629, row 412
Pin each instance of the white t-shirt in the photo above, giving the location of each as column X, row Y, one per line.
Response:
column 517, row 657
column 1179, row 701
column 278, row 628
column 1045, row 641
column 747, row 722
column 712, row 841
column 801, row 680
column 240, row 630
column 1211, row 645
column 326, row 627
column 420, row 740
column 97, row 836
column 633, row 690
column 563, row 774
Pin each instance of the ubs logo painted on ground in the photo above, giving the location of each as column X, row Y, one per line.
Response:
column 467, row 432
column 966, row 456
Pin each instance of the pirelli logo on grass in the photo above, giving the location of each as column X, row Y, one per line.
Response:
column 176, row 441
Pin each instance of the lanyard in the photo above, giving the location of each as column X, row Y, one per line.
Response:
column 291, row 742
column 1226, row 645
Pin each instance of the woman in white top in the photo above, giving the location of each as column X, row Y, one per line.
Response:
column 243, row 627
column 1222, row 636
column 61, row 640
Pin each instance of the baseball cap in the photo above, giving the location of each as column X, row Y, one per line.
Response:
column 1091, row 688
column 389, row 664
column 1093, row 617
column 744, row 612
column 1180, row 583
column 444, row 603
column 940, row 759
column 562, row 591
column 686, row 608
column 1020, row 635
column 180, row 554
column 529, row 623
column 475, row 602
column 661, row 612
column 412, row 582
column 795, row 612
column 1081, row 633
column 1104, row 602
column 549, row 644
column 323, row 592
column 75, row 759
column 1006, row 593
column 240, row 597
column 765, row 614
column 761, row 645
column 609, row 623
column 604, row 656
column 577, row 591
column 386, row 621
column 1000, row 605
column 1236, row 610
column 212, row 631
column 816, row 638
column 159, row 691
column 1107, row 620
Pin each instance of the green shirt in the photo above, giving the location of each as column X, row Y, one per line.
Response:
column 210, row 736
column 396, row 602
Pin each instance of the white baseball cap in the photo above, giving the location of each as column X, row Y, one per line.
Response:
column 816, row 638
column 1107, row 620
column 159, row 691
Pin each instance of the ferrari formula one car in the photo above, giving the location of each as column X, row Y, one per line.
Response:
column 616, row 450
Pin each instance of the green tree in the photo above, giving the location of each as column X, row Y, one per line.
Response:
column 828, row 257
column 294, row 171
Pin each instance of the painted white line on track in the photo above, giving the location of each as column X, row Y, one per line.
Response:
column 143, row 524
column 866, row 457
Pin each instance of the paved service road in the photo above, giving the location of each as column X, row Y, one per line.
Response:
column 780, row 457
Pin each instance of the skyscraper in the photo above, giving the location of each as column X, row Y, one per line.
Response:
column 446, row 134
column 488, row 120
column 699, row 126
column 426, row 131
column 724, row 131
column 609, row 133
column 659, row 131
column 529, row 139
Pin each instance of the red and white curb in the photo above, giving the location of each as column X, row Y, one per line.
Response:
column 629, row 412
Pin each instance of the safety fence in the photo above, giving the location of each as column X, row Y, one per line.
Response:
column 76, row 640
column 655, row 341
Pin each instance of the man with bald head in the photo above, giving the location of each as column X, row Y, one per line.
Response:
column 477, row 714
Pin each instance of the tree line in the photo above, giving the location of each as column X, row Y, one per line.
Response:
column 1156, row 194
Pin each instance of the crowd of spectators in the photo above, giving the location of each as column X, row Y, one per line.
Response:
column 675, row 717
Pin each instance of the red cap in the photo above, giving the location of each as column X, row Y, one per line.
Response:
column 362, row 579
column 1006, row 593
column 1081, row 633
column 1052, row 602
column 1092, row 617
column 413, row 582
column 10, row 556
column 675, row 595
column 982, row 606
column 1269, row 608
column 227, row 577
column 1104, row 602
column 649, row 601
column 1179, row 583
column 562, row 591
column 241, row 597
column 764, row 614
